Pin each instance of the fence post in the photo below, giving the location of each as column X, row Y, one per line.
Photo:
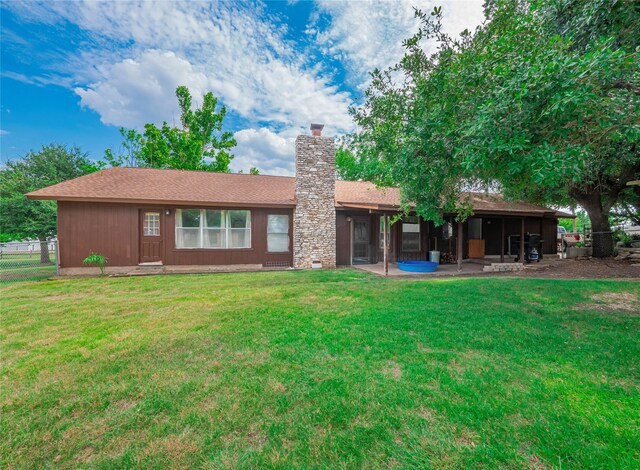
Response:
column 56, row 258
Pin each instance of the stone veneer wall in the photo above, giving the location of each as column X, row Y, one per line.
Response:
column 314, row 227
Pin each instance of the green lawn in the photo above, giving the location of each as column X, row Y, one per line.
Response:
column 320, row 369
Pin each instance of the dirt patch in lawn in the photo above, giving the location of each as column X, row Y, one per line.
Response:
column 624, row 301
column 392, row 370
column 606, row 268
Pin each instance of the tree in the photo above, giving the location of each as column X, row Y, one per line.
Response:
column 581, row 222
column 627, row 211
column 130, row 149
column 37, row 219
column 252, row 171
column 199, row 144
column 530, row 104
column 347, row 165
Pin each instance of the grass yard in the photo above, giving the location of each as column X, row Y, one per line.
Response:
column 320, row 369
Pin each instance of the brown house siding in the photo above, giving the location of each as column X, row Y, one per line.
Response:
column 113, row 230
column 343, row 239
column 108, row 229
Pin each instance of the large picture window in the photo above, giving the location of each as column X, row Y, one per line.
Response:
column 213, row 229
column 278, row 233
column 411, row 234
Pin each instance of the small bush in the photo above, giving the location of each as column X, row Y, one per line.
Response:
column 95, row 259
column 622, row 237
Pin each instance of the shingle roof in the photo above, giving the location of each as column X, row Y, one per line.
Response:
column 173, row 187
column 154, row 186
column 362, row 192
column 495, row 203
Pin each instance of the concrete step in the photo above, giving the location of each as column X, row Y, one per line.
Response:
column 503, row 267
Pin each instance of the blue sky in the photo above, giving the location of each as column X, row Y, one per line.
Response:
column 73, row 72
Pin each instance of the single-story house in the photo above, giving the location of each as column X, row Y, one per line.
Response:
column 153, row 217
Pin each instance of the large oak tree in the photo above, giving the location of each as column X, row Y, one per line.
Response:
column 542, row 102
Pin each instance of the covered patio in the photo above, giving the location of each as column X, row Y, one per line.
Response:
column 498, row 231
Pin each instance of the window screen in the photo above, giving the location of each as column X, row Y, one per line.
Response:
column 411, row 234
column 208, row 228
column 277, row 233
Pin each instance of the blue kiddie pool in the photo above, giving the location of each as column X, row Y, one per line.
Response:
column 418, row 266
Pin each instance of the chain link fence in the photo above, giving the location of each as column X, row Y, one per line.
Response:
column 28, row 261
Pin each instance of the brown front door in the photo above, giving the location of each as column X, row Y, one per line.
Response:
column 151, row 231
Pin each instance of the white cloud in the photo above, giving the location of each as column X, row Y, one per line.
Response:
column 143, row 50
column 271, row 153
column 3, row 132
column 132, row 92
column 37, row 80
column 368, row 34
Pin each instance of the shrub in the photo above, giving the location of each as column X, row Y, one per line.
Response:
column 623, row 237
column 95, row 259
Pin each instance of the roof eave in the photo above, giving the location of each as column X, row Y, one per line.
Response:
column 166, row 202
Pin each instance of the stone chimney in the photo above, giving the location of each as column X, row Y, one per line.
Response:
column 314, row 227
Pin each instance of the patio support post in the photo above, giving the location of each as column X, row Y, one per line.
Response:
column 385, row 241
column 502, row 240
column 522, row 240
column 459, row 245
column 541, row 236
column 350, row 241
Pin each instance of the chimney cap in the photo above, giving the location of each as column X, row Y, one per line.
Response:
column 316, row 129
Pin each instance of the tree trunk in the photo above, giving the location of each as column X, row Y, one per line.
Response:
column 44, row 250
column 601, row 234
column 598, row 202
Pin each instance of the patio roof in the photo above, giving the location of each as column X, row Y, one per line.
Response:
column 368, row 197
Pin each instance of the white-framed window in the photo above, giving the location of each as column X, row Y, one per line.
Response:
column 213, row 229
column 151, row 224
column 411, row 234
column 277, row 233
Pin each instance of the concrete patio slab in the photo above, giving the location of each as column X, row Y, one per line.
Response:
column 469, row 268
column 443, row 270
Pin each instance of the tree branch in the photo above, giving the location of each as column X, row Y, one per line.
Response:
column 624, row 85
